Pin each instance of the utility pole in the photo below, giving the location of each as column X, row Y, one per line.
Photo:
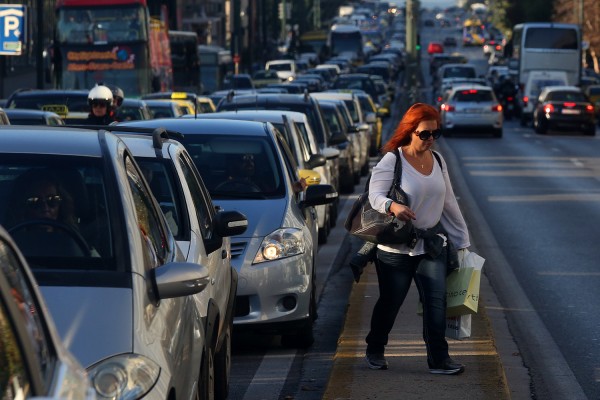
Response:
column 411, row 81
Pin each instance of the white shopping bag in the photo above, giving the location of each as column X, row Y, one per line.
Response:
column 458, row 327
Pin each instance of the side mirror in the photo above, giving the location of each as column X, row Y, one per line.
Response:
column 178, row 279
column 338, row 138
column 319, row 194
column 330, row 153
column 383, row 112
column 363, row 127
column 311, row 177
column 316, row 160
column 371, row 118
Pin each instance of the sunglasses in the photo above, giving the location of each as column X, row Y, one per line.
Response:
column 425, row 134
column 99, row 104
column 37, row 202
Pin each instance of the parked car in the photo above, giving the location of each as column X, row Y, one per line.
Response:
column 349, row 170
column 471, row 108
column 133, row 110
column 196, row 224
column 117, row 285
column 306, row 104
column 435, row 47
column 564, row 108
column 286, row 69
column 32, row 117
column 166, row 108
column 248, row 166
column 71, row 105
column 300, row 139
column 263, row 78
column 35, row 363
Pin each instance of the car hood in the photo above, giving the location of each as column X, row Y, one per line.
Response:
column 94, row 323
column 260, row 222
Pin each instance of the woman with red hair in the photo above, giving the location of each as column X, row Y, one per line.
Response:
column 440, row 226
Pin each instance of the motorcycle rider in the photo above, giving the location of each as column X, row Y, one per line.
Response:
column 100, row 100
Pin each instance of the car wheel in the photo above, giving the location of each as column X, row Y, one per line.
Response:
column 223, row 364
column 591, row 131
column 497, row 133
column 206, row 387
column 324, row 230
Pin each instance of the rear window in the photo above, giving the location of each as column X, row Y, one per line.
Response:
column 73, row 104
column 459, row 72
column 566, row 96
column 473, row 95
column 551, row 38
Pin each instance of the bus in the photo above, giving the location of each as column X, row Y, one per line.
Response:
column 473, row 32
column 346, row 41
column 314, row 42
column 114, row 42
column 546, row 46
column 185, row 58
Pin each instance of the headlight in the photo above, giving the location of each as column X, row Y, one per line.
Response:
column 282, row 243
column 124, row 377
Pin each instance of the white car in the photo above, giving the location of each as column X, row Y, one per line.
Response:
column 468, row 108
column 115, row 281
column 293, row 126
column 176, row 184
column 248, row 166
column 286, row 69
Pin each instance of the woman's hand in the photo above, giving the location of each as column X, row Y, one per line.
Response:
column 402, row 212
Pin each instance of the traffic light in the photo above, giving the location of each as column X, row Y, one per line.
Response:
column 418, row 46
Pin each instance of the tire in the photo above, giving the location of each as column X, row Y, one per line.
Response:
column 324, row 231
column 206, row 386
column 497, row 133
column 591, row 130
column 223, row 365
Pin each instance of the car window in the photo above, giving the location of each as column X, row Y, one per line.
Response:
column 56, row 209
column 163, row 184
column 154, row 239
column 236, row 166
column 353, row 110
column 331, row 117
column 29, row 315
column 200, row 197
column 473, row 95
column 459, row 72
column 565, row 96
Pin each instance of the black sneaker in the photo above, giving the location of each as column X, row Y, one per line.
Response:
column 447, row 367
column 376, row 361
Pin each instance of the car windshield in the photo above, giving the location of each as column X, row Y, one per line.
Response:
column 237, row 166
column 58, row 103
column 57, row 211
column 280, row 67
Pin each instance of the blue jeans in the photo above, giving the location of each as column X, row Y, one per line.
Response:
column 395, row 273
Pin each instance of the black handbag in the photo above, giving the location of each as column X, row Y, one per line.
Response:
column 371, row 225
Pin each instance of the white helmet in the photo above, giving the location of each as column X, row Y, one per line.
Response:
column 102, row 93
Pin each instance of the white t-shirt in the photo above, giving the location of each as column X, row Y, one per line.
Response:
column 429, row 196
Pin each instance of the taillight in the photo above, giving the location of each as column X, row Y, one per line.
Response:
column 439, row 98
column 589, row 109
column 447, row 107
column 497, row 108
column 498, row 48
column 509, row 98
column 525, row 100
column 569, row 104
column 548, row 108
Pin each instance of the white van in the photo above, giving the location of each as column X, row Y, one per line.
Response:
column 536, row 81
column 286, row 69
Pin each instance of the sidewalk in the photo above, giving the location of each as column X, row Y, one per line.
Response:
column 408, row 376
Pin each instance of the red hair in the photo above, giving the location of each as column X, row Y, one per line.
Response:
column 416, row 114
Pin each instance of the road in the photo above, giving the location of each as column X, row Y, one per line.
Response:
column 531, row 202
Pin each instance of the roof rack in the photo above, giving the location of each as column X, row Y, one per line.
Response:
column 159, row 133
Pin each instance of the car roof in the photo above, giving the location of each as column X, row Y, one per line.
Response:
column 346, row 95
column 202, row 126
column 563, row 88
column 49, row 92
column 266, row 98
column 50, row 140
column 268, row 115
column 26, row 112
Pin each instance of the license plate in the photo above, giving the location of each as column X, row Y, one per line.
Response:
column 472, row 110
column 570, row 111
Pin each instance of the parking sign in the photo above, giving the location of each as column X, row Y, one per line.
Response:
column 13, row 29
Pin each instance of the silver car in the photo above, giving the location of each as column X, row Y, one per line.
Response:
column 471, row 108
column 194, row 221
column 33, row 360
column 117, row 285
column 248, row 166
